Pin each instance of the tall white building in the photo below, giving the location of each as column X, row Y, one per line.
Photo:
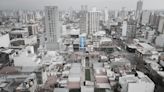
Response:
column 159, row 42
column 139, row 10
column 84, row 20
column 93, row 21
column 131, row 30
column 161, row 25
column 124, row 28
column 145, row 17
column 105, row 15
column 123, row 13
column 52, row 27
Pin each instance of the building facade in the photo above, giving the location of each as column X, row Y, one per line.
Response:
column 84, row 20
column 124, row 28
column 93, row 21
column 4, row 40
column 52, row 27
column 145, row 17
column 161, row 25
column 139, row 10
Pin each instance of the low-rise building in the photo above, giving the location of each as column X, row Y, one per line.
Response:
column 6, row 57
column 19, row 33
column 26, row 57
column 33, row 28
column 29, row 84
column 136, row 83
column 4, row 40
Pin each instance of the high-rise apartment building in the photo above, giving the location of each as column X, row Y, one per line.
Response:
column 124, row 28
column 154, row 20
column 123, row 13
column 52, row 27
column 84, row 20
column 131, row 31
column 105, row 15
column 139, row 10
column 145, row 17
column 93, row 21
column 161, row 25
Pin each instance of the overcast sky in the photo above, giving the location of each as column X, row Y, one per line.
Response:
column 64, row 4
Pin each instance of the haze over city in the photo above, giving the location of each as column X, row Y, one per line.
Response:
column 81, row 46
column 64, row 4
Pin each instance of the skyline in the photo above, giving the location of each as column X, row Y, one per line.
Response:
column 76, row 4
column 81, row 46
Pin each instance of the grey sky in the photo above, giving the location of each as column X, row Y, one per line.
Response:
column 63, row 4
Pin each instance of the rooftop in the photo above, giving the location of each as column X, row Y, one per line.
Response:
column 146, row 46
column 74, row 32
column 8, row 51
column 25, row 59
column 8, row 70
column 61, row 90
column 135, row 79
column 19, row 30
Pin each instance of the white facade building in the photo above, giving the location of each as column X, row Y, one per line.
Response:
column 160, row 41
column 26, row 58
column 124, row 28
column 161, row 24
column 4, row 40
column 145, row 17
column 105, row 15
column 52, row 27
column 64, row 30
column 30, row 40
column 84, row 20
column 33, row 28
column 94, row 18
column 140, row 83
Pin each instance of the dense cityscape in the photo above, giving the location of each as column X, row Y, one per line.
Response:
column 82, row 50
